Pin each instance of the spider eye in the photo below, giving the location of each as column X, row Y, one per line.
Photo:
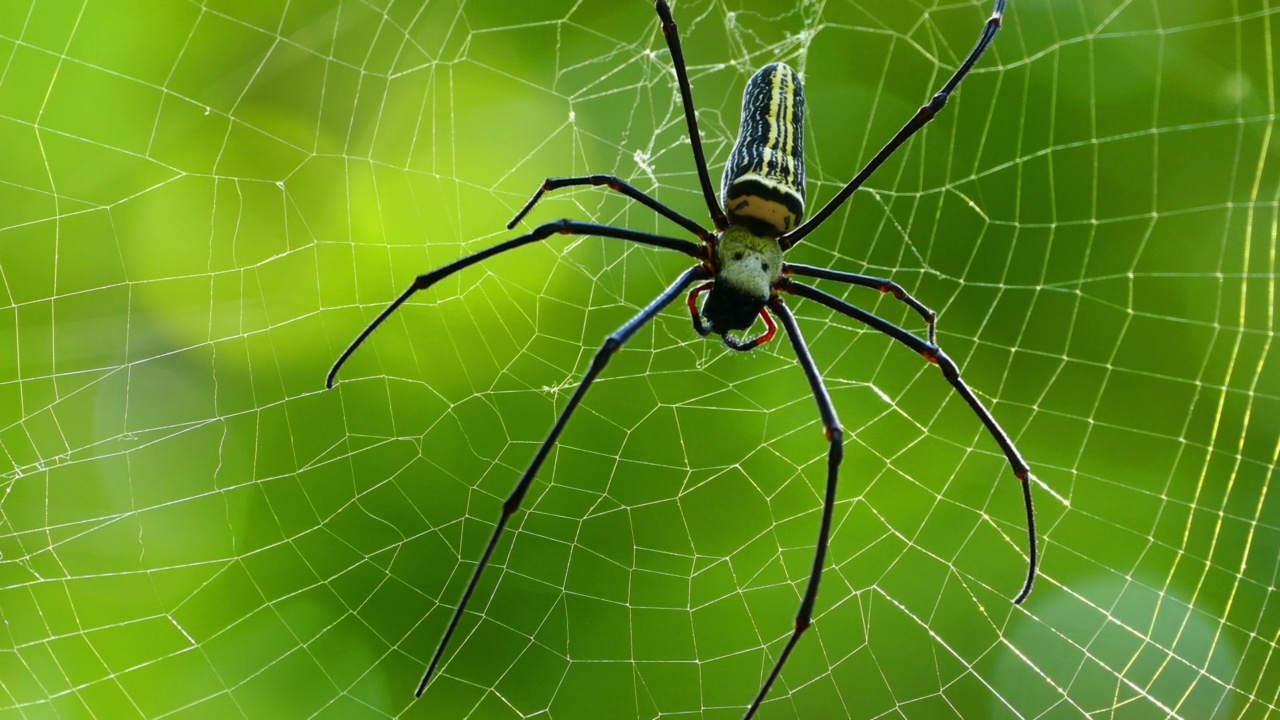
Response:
column 738, row 255
column 764, row 267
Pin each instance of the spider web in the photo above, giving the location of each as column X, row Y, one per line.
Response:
column 201, row 203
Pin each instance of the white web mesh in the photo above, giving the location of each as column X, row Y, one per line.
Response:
column 202, row 203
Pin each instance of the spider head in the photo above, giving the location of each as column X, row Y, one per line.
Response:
column 747, row 265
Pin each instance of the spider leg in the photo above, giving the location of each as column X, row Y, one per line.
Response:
column 686, row 98
column 770, row 329
column 611, row 345
column 542, row 232
column 926, row 113
column 951, row 372
column 875, row 283
column 692, row 301
column 616, row 184
column 835, row 436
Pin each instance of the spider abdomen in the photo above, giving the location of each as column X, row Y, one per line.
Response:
column 764, row 179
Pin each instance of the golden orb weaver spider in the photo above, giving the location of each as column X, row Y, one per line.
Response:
column 741, row 270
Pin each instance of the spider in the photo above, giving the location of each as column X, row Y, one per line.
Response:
column 741, row 271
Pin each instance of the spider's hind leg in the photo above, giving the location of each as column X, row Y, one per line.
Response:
column 835, row 454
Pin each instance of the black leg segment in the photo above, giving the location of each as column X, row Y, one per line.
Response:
column 835, row 453
column 615, row 184
column 951, row 372
column 686, row 97
column 542, row 232
column 926, row 113
column 882, row 284
column 611, row 345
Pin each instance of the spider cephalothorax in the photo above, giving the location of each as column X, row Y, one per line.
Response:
column 747, row 268
column 741, row 271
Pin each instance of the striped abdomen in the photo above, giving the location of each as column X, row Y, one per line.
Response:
column 764, row 178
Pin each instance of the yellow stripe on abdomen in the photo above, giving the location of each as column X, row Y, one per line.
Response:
column 764, row 178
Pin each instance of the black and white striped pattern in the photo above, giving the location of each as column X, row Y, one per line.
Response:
column 764, row 178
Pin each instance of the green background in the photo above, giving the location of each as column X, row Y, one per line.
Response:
column 201, row 204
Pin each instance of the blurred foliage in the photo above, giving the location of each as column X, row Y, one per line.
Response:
column 202, row 203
